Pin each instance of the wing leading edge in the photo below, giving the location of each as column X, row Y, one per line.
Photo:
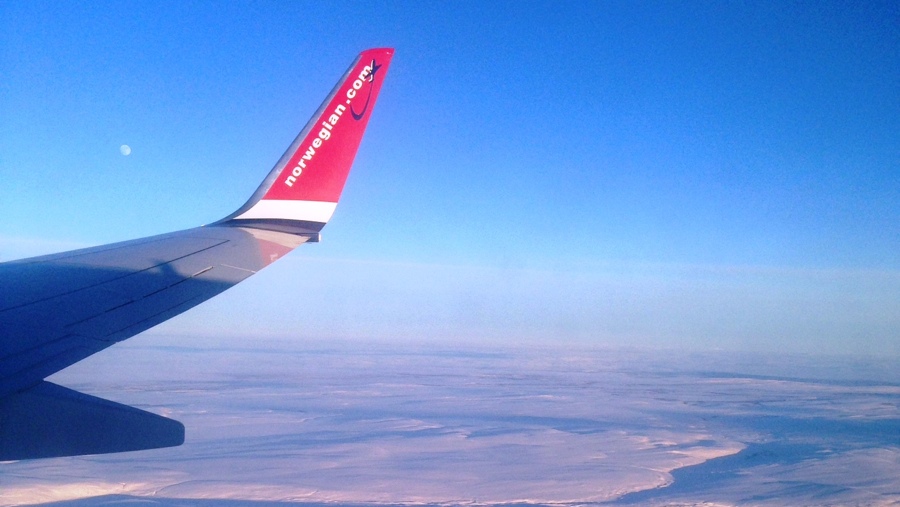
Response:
column 58, row 309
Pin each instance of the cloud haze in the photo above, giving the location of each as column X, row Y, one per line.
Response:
column 691, row 307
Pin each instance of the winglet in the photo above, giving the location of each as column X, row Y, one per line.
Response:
column 302, row 190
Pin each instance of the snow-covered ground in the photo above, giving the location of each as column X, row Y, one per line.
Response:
column 382, row 424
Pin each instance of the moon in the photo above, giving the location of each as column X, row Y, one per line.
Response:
column 125, row 149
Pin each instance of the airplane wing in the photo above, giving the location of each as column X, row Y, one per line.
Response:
column 58, row 309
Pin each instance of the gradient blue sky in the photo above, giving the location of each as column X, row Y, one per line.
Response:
column 683, row 175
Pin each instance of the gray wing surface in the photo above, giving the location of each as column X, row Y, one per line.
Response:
column 68, row 306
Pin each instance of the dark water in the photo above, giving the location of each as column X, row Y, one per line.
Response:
column 795, row 440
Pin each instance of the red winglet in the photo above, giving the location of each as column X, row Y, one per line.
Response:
column 308, row 180
column 319, row 167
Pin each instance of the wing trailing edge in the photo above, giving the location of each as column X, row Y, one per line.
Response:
column 63, row 422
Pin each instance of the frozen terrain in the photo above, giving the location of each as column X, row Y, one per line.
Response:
column 309, row 424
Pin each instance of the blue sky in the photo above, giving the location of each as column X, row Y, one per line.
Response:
column 700, row 175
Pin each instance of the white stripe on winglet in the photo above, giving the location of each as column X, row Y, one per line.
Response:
column 312, row 211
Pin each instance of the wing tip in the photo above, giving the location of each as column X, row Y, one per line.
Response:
column 306, row 183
